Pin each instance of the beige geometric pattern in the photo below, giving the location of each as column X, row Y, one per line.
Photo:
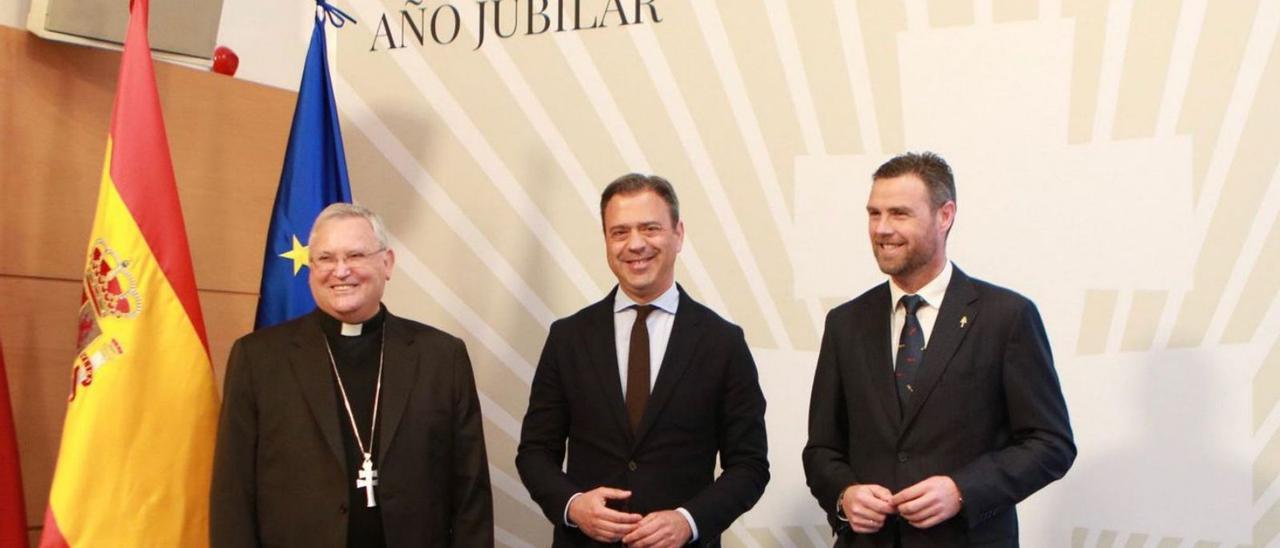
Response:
column 1107, row 538
column 1116, row 161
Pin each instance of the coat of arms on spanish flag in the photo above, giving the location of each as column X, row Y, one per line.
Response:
column 137, row 445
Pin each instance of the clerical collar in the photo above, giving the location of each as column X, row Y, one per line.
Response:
column 335, row 328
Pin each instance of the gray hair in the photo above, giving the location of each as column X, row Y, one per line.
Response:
column 342, row 210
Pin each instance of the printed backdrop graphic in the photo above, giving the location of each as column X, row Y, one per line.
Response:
column 1116, row 162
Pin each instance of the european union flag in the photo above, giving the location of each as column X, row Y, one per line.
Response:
column 314, row 176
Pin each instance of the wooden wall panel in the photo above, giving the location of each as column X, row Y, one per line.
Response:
column 227, row 140
column 37, row 325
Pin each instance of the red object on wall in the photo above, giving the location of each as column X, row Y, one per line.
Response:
column 225, row 61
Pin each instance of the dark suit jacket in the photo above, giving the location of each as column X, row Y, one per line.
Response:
column 279, row 476
column 706, row 399
column 988, row 412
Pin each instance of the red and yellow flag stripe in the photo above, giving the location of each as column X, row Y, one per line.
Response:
column 137, row 444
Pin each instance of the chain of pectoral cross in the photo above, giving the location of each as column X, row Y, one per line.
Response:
column 367, row 477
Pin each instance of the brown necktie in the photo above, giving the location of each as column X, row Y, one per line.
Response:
column 638, row 367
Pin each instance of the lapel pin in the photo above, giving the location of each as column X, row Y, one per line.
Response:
column 964, row 320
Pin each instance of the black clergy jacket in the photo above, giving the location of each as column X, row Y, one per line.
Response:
column 279, row 476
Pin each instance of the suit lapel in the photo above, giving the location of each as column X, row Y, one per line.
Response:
column 602, row 353
column 399, row 371
column 948, row 332
column 879, row 360
column 313, row 370
column 685, row 334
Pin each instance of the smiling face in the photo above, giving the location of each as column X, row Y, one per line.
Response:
column 908, row 237
column 349, row 269
column 641, row 243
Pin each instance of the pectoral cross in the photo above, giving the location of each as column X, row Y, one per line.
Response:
column 367, row 479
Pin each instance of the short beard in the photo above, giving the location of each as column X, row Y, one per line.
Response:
column 913, row 262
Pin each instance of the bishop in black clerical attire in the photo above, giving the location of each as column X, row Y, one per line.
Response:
column 350, row 426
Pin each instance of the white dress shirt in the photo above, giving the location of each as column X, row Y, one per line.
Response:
column 932, row 293
column 659, row 323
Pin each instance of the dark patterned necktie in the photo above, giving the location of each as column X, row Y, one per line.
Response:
column 638, row 367
column 910, row 350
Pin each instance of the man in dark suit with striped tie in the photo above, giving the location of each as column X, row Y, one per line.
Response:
column 935, row 404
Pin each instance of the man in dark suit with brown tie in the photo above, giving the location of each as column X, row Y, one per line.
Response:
column 647, row 387
column 935, row 404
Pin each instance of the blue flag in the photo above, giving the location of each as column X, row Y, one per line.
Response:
column 314, row 176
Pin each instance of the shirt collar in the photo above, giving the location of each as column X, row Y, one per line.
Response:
column 668, row 301
column 933, row 292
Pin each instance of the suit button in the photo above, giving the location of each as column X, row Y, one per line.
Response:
column 632, row 466
column 342, row 508
column 902, row 457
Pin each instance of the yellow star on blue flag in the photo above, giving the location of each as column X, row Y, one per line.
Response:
column 299, row 254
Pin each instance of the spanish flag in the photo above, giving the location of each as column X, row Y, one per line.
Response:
column 137, row 444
